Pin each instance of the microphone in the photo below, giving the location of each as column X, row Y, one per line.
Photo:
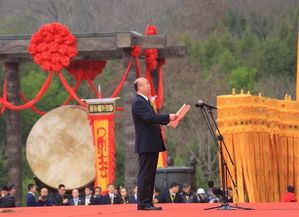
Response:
column 201, row 103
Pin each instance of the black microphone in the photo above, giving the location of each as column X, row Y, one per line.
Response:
column 201, row 103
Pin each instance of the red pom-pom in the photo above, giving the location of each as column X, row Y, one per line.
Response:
column 52, row 47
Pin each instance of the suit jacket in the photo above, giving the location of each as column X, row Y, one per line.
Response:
column 117, row 199
column 31, row 200
column 165, row 198
column 132, row 199
column 72, row 202
column 46, row 202
column 90, row 202
column 148, row 137
column 189, row 198
column 58, row 200
column 97, row 200
column 11, row 201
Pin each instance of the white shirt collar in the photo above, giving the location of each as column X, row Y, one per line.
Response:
column 146, row 98
column 111, row 195
column 31, row 193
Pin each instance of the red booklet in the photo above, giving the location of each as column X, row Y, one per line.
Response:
column 181, row 113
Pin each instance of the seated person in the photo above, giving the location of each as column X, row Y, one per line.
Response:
column 88, row 198
column 11, row 196
column 210, row 188
column 290, row 195
column 172, row 195
column 202, row 196
column 31, row 200
column 156, row 195
column 187, row 195
column 124, row 195
column 133, row 198
column 215, row 195
column 4, row 197
column 75, row 201
column 111, row 197
column 98, row 198
column 60, row 199
column 230, row 195
column 44, row 199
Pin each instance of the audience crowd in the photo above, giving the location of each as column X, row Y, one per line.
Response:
column 93, row 196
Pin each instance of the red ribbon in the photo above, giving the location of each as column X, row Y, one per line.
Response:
column 33, row 101
column 4, row 94
column 70, row 90
column 121, row 83
column 33, row 108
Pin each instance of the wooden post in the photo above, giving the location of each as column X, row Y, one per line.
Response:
column 131, row 158
column 13, row 131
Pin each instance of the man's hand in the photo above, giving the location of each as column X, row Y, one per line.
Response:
column 173, row 117
column 65, row 201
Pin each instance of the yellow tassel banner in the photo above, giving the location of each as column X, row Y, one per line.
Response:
column 262, row 136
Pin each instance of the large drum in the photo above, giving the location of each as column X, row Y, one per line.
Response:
column 60, row 148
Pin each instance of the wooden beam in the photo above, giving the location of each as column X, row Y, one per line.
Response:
column 172, row 52
column 113, row 54
column 11, row 46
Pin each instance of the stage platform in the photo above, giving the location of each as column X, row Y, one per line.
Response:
column 169, row 210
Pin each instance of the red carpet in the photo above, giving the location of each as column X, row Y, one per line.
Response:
column 169, row 210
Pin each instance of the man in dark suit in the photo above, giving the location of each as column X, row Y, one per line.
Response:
column 111, row 197
column 4, row 196
column 98, row 198
column 171, row 195
column 11, row 196
column 87, row 199
column 31, row 200
column 44, row 199
column 75, row 201
column 133, row 197
column 60, row 199
column 148, row 142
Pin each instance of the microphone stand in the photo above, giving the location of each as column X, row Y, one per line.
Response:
column 225, row 173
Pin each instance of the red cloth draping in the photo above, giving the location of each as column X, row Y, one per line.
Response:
column 36, row 110
column 151, row 56
column 121, row 83
column 31, row 102
column 4, row 94
column 86, row 70
column 70, row 90
column 33, row 108
column 136, row 51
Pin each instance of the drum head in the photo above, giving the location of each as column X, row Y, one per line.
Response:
column 60, row 148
